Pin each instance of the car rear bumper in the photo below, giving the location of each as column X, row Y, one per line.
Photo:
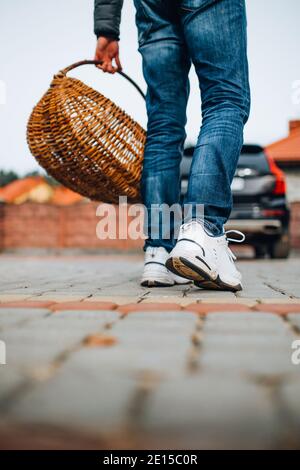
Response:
column 256, row 226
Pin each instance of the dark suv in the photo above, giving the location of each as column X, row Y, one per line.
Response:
column 260, row 208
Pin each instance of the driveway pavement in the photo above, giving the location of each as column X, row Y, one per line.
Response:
column 96, row 361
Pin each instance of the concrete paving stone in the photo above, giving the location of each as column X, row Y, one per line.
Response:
column 158, row 341
column 10, row 379
column 289, row 394
column 260, row 361
column 63, row 321
column 147, row 323
column 81, row 399
column 249, row 317
column 139, row 337
column 258, row 293
column 152, row 341
column 154, row 336
column 124, row 287
column 22, row 292
column 68, row 321
column 252, row 285
column 294, row 318
column 248, row 344
column 43, row 340
column 242, row 341
column 30, row 351
column 123, row 292
column 104, row 316
column 162, row 318
column 34, row 354
column 14, row 297
column 63, row 297
column 128, row 359
column 175, row 289
column 208, row 411
column 10, row 317
column 154, row 327
column 248, row 323
column 202, row 295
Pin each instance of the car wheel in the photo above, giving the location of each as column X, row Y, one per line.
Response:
column 260, row 251
column 281, row 248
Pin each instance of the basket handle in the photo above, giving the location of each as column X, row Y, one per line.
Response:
column 97, row 62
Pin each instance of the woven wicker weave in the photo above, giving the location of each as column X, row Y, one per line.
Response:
column 85, row 141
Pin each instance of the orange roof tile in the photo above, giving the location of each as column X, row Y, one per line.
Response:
column 64, row 196
column 286, row 150
column 18, row 187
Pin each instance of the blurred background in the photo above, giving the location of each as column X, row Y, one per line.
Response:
column 40, row 38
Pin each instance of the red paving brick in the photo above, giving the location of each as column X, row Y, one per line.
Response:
column 151, row 306
column 281, row 309
column 100, row 340
column 217, row 307
column 202, row 308
column 83, row 306
column 27, row 304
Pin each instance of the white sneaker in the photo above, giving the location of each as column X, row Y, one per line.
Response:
column 205, row 259
column 155, row 272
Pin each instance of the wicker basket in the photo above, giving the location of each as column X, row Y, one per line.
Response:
column 85, row 141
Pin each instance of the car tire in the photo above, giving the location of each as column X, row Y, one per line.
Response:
column 281, row 248
column 260, row 251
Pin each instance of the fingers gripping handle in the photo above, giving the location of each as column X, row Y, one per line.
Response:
column 97, row 62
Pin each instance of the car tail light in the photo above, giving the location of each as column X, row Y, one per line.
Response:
column 280, row 184
column 272, row 212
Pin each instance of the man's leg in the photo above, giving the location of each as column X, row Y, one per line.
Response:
column 215, row 32
column 166, row 66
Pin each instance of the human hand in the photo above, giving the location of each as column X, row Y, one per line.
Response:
column 107, row 51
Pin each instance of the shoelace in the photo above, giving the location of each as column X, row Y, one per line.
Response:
column 234, row 240
column 227, row 239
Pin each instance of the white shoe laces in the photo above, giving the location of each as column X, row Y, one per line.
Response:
column 234, row 240
column 226, row 238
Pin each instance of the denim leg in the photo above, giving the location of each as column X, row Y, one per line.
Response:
column 215, row 32
column 165, row 66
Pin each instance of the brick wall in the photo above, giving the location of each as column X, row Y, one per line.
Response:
column 33, row 225
column 1, row 225
column 295, row 224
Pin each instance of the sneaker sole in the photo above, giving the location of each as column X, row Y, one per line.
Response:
column 149, row 283
column 183, row 267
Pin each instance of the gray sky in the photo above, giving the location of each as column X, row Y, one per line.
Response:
column 39, row 38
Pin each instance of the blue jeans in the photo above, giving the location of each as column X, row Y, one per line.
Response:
column 211, row 35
